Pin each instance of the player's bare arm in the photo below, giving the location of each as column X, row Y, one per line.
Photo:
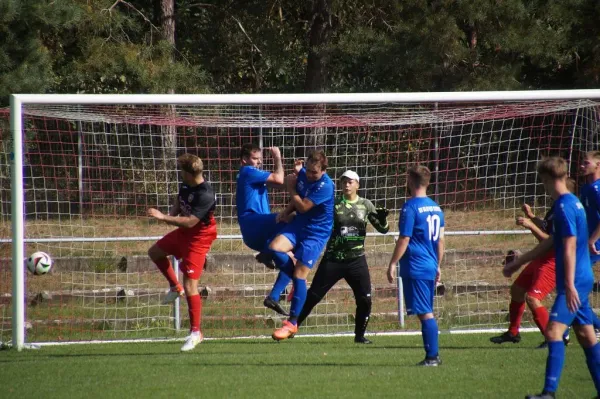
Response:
column 300, row 205
column 399, row 250
column 539, row 250
column 178, row 221
column 570, row 245
column 532, row 226
column 592, row 241
column 440, row 253
column 276, row 179
column 175, row 208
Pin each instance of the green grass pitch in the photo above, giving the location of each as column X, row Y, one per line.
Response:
column 302, row 367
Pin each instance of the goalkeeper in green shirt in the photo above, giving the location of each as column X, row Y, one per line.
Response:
column 345, row 253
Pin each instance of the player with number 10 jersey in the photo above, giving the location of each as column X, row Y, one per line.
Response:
column 420, row 250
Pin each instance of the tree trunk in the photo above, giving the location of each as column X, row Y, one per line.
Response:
column 316, row 68
column 169, row 131
column 320, row 32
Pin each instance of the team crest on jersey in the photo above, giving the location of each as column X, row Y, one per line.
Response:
column 190, row 197
column 360, row 213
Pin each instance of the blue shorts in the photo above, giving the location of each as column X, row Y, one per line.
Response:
column 307, row 247
column 582, row 316
column 418, row 295
column 259, row 229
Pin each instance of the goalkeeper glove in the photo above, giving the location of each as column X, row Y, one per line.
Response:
column 382, row 214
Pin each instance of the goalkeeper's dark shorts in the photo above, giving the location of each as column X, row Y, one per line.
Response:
column 354, row 271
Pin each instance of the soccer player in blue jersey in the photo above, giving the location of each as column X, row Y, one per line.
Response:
column 312, row 198
column 257, row 224
column 574, row 278
column 590, row 198
column 420, row 249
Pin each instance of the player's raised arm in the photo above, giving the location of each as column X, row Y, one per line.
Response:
column 316, row 195
column 533, row 226
column 378, row 217
column 276, row 179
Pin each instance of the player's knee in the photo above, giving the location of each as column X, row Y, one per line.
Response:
column 190, row 286
column 586, row 336
column 532, row 302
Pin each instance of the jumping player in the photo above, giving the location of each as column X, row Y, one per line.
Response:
column 535, row 282
column 420, row 249
column 192, row 212
column 345, row 254
column 257, row 224
column 312, row 198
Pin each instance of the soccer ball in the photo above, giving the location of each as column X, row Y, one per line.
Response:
column 39, row 263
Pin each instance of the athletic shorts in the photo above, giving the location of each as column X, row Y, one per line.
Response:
column 538, row 279
column 259, row 229
column 582, row 316
column 190, row 249
column 307, row 247
column 418, row 295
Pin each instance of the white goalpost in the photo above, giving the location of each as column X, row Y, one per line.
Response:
column 84, row 168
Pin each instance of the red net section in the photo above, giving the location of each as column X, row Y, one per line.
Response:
column 91, row 172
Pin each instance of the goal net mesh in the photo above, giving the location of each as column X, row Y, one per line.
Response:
column 91, row 172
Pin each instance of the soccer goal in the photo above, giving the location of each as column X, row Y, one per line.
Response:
column 86, row 167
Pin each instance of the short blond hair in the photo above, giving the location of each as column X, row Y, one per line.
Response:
column 419, row 175
column 593, row 154
column 190, row 163
column 553, row 167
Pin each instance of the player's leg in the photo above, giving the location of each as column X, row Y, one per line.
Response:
column 327, row 275
column 159, row 253
column 286, row 240
column 192, row 266
column 358, row 278
column 587, row 339
column 307, row 253
column 194, row 302
column 516, row 308
column 542, row 284
column 418, row 296
column 515, row 313
column 560, row 319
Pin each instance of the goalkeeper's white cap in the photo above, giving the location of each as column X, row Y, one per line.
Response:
column 350, row 174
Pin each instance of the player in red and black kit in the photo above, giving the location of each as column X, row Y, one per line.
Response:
column 192, row 212
column 535, row 282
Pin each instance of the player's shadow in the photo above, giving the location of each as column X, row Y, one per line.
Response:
column 444, row 348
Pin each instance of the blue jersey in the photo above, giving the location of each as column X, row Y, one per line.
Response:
column 251, row 192
column 590, row 198
column 319, row 219
column 569, row 221
column 421, row 220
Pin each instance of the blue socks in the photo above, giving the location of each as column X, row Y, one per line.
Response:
column 429, row 331
column 286, row 270
column 554, row 365
column 298, row 299
column 592, row 356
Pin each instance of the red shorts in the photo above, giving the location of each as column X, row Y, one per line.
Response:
column 539, row 277
column 191, row 247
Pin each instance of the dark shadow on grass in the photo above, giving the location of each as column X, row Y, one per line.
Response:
column 445, row 348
